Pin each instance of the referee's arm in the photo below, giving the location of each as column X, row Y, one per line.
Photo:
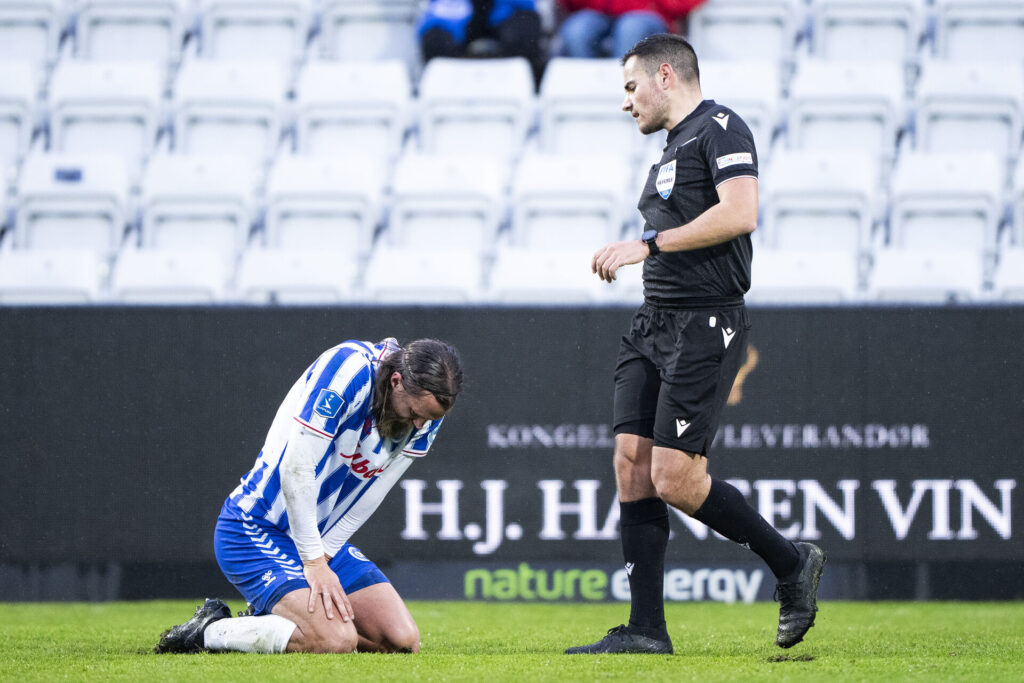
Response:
column 735, row 214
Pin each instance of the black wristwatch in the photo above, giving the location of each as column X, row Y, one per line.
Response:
column 651, row 238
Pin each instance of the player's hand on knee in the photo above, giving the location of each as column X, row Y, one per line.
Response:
column 325, row 587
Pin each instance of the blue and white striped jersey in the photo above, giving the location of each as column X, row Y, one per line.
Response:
column 357, row 467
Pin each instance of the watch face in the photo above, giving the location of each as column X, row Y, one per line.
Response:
column 649, row 235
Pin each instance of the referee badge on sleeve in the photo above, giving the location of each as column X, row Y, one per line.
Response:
column 666, row 179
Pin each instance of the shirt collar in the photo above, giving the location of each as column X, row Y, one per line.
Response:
column 700, row 109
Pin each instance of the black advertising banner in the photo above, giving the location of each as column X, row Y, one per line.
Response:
column 883, row 434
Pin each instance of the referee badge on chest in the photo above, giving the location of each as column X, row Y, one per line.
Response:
column 666, row 179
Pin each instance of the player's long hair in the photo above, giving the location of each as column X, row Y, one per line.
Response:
column 427, row 366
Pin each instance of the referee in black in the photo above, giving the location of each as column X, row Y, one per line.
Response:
column 678, row 361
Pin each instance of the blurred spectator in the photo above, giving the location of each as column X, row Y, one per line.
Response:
column 609, row 28
column 482, row 28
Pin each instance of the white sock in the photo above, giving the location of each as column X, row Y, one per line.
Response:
column 268, row 634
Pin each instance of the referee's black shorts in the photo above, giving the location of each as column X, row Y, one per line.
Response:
column 675, row 371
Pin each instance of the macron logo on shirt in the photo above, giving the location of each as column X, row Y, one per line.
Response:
column 328, row 404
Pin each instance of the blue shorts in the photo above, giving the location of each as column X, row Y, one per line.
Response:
column 263, row 563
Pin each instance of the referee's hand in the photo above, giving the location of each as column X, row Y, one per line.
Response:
column 324, row 586
column 609, row 258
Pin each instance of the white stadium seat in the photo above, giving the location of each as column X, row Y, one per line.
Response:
column 470, row 105
column 820, row 200
column 868, row 29
column 31, row 30
column 553, row 275
column 786, row 276
column 1008, row 282
column 410, row 275
column 970, row 107
column 370, row 29
column 71, row 202
column 578, row 199
column 751, row 89
column 200, row 201
column 980, row 29
column 297, row 276
column 230, row 107
column 745, row 29
column 255, row 29
column 846, row 104
column 446, row 202
column 926, row 276
column 49, row 276
column 581, row 108
column 353, row 109
column 950, row 201
column 321, row 203
column 180, row 276
column 106, row 108
column 18, row 110
column 147, row 30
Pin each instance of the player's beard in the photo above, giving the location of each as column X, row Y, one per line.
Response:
column 389, row 424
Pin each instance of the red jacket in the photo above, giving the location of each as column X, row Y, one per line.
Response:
column 670, row 10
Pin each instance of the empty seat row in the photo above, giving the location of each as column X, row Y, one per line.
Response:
column 810, row 200
column 409, row 275
column 352, row 109
column 159, row 31
column 390, row 275
column 850, row 29
column 893, row 275
column 314, row 202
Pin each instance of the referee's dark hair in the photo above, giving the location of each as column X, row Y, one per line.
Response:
column 666, row 48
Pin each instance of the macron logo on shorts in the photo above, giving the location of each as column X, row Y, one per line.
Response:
column 328, row 403
column 681, row 426
column 727, row 334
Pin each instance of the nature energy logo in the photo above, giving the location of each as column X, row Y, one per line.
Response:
column 574, row 584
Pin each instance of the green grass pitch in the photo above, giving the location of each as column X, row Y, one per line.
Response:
column 474, row 641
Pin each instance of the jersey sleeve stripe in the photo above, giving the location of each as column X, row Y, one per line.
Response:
column 313, row 429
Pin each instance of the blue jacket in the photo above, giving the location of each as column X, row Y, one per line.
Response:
column 453, row 15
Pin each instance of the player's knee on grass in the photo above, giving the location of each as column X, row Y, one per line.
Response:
column 324, row 639
column 400, row 638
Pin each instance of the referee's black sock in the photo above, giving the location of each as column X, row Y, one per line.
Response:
column 727, row 512
column 644, row 529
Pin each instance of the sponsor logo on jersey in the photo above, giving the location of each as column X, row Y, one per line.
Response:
column 354, row 552
column 733, row 159
column 681, row 426
column 666, row 179
column 722, row 119
column 328, row 404
column 361, row 465
column 268, row 578
column 629, row 568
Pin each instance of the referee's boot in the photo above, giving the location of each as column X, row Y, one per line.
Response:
column 188, row 637
column 626, row 640
column 798, row 599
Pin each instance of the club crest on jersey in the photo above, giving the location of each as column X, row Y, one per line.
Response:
column 328, row 404
column 666, row 179
column 354, row 552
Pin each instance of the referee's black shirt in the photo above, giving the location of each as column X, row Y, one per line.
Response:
column 708, row 147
